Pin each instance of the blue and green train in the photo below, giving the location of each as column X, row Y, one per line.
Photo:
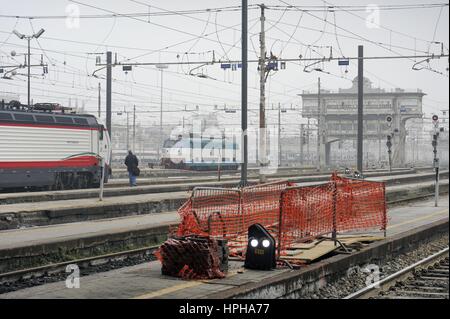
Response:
column 201, row 154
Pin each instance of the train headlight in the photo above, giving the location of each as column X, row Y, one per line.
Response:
column 260, row 249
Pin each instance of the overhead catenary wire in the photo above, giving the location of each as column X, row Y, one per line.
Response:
column 152, row 23
column 379, row 7
column 312, row 8
column 353, row 33
column 84, row 57
column 204, row 13
column 352, row 37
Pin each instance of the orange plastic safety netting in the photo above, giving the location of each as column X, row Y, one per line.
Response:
column 306, row 212
column 260, row 204
column 227, row 213
column 290, row 213
column 360, row 204
column 214, row 212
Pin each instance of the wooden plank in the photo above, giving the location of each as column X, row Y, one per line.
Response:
column 313, row 251
column 309, row 255
column 304, row 245
column 360, row 237
column 293, row 252
column 352, row 240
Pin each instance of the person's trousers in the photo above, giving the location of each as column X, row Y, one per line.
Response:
column 132, row 179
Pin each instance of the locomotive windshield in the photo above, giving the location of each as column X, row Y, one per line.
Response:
column 169, row 143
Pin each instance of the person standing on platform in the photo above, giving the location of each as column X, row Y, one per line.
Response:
column 132, row 163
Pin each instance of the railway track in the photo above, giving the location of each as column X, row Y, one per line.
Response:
column 23, row 278
column 169, row 185
column 29, row 277
column 426, row 279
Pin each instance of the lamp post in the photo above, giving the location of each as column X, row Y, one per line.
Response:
column 128, row 127
column 280, row 110
column 28, row 38
column 161, row 67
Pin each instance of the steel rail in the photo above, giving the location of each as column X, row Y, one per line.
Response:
column 52, row 268
column 377, row 287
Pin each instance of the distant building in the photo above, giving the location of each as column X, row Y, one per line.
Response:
column 339, row 111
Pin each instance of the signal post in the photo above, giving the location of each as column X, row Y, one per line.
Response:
column 434, row 143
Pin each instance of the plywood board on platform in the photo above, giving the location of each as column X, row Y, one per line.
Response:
column 352, row 240
column 319, row 248
column 304, row 245
column 293, row 252
column 309, row 255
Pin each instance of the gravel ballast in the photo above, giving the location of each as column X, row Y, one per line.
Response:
column 359, row 277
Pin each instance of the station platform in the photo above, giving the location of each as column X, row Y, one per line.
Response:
column 226, row 177
column 165, row 185
column 13, row 216
column 89, row 224
column 121, row 172
column 58, row 234
column 406, row 224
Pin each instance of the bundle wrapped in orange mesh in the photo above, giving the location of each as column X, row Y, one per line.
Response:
column 193, row 257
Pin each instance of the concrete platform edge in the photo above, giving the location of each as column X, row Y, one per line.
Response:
column 294, row 284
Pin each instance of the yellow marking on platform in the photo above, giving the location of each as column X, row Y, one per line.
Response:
column 168, row 290
column 418, row 219
column 184, row 285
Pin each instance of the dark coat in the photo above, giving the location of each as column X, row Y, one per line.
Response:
column 131, row 161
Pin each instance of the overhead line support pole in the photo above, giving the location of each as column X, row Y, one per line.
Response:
column 134, row 128
column 360, row 108
column 319, row 125
column 29, row 76
column 262, row 98
column 279, row 134
column 108, row 91
column 99, row 100
column 301, row 144
column 244, row 92
column 161, row 117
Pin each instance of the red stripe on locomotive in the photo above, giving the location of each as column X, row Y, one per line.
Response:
column 81, row 161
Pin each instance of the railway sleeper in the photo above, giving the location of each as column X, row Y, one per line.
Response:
column 423, row 293
column 434, row 278
column 417, row 286
column 425, row 283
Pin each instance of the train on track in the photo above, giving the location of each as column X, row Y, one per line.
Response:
column 45, row 147
column 200, row 154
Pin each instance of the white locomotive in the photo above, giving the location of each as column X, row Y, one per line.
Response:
column 45, row 148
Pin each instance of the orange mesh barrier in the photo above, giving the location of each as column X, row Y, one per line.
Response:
column 214, row 212
column 260, row 204
column 360, row 204
column 227, row 213
column 290, row 213
column 306, row 212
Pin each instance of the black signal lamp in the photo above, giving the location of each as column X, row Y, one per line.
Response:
column 435, row 118
column 260, row 249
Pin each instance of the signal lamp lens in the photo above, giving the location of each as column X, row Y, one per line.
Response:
column 265, row 243
column 254, row 243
